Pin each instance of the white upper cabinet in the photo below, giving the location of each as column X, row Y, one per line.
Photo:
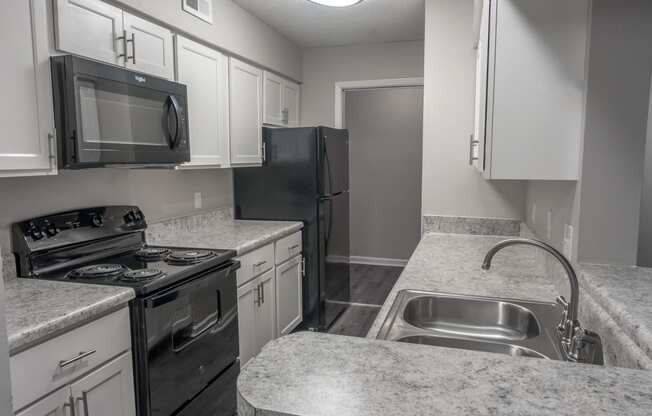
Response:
column 530, row 89
column 204, row 71
column 89, row 28
column 292, row 96
column 282, row 100
column 245, row 113
column 27, row 144
column 97, row 30
column 149, row 47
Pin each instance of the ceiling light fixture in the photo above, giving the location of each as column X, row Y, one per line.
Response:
column 336, row 3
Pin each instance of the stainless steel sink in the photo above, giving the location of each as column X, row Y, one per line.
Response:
column 505, row 326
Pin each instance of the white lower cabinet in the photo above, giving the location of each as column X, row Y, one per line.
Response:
column 289, row 297
column 52, row 405
column 86, row 371
column 107, row 391
column 256, row 322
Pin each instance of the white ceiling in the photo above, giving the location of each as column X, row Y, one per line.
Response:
column 372, row 21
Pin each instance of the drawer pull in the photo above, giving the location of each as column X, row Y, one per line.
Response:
column 259, row 264
column 81, row 356
column 294, row 247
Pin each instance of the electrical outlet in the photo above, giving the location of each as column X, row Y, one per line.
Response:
column 549, row 225
column 534, row 214
column 197, row 200
column 568, row 240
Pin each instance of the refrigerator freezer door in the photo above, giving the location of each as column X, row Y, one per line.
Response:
column 334, row 249
column 334, row 161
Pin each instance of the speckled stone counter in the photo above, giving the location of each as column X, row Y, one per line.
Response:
column 451, row 263
column 624, row 293
column 218, row 230
column 322, row 375
column 37, row 310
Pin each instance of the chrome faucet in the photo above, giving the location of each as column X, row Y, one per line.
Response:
column 578, row 344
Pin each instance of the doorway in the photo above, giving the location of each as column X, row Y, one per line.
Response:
column 385, row 158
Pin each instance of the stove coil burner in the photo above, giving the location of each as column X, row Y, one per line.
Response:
column 152, row 253
column 98, row 271
column 141, row 274
column 183, row 257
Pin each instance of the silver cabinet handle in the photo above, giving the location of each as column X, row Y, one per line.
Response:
column 85, row 403
column 262, row 292
column 123, row 38
column 303, row 266
column 133, row 47
column 472, row 144
column 81, row 356
column 71, row 405
column 291, row 249
column 257, row 296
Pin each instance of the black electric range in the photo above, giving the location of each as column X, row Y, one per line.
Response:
column 184, row 317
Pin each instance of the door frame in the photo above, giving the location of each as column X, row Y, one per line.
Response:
column 342, row 87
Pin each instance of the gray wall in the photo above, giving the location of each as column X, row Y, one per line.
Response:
column 645, row 227
column 450, row 185
column 385, row 127
column 159, row 193
column 233, row 29
column 604, row 205
column 323, row 67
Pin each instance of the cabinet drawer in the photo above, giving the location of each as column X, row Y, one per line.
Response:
column 50, row 365
column 288, row 247
column 255, row 263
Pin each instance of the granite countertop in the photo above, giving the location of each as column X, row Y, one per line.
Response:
column 321, row 374
column 624, row 293
column 451, row 263
column 37, row 310
column 223, row 233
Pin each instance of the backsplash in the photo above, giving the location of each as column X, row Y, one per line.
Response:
column 471, row 225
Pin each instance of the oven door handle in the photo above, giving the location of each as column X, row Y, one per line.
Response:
column 217, row 326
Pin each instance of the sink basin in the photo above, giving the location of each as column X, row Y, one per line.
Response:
column 505, row 326
column 467, row 344
column 471, row 317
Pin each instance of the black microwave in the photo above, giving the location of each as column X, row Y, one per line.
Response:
column 110, row 116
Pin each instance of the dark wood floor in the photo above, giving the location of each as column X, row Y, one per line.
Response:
column 370, row 286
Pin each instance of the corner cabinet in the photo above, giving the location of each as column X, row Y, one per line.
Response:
column 281, row 101
column 204, row 71
column 101, row 31
column 27, row 145
column 245, row 113
column 530, row 89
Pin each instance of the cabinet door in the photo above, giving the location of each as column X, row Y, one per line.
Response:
column 55, row 404
column 478, row 139
column 107, row 391
column 266, row 312
column 289, row 306
column 204, row 71
column 26, row 114
column 273, row 99
column 89, row 28
column 292, row 100
column 248, row 297
column 245, row 113
column 149, row 47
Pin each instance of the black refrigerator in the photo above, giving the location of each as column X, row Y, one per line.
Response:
column 305, row 177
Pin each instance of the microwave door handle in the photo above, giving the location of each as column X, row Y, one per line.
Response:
column 174, row 105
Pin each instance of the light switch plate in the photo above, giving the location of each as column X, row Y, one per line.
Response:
column 549, row 225
column 198, row 202
column 534, row 214
column 568, row 240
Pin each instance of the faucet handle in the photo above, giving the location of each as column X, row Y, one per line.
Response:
column 564, row 326
column 586, row 347
column 562, row 302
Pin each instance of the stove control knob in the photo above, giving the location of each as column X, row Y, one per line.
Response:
column 35, row 232
column 129, row 217
column 97, row 220
column 50, row 229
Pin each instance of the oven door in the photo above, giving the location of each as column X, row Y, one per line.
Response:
column 109, row 116
column 192, row 336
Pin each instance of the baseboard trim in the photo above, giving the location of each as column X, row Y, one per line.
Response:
column 378, row 261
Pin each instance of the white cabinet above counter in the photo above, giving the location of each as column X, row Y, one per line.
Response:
column 530, row 89
column 282, row 101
